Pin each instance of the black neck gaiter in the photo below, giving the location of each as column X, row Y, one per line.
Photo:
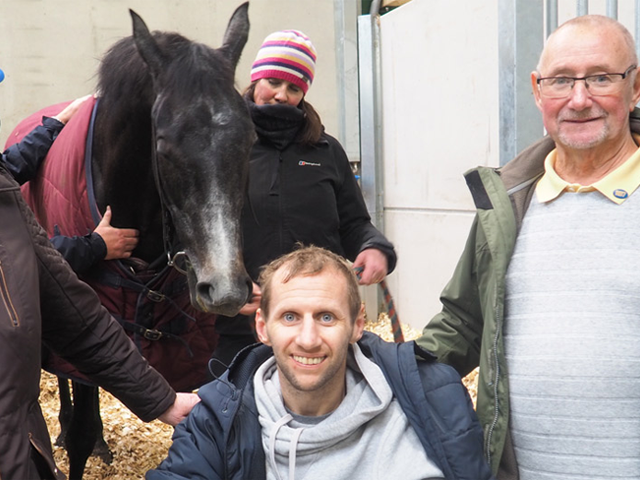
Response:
column 279, row 124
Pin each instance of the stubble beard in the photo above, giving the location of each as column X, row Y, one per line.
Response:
column 321, row 381
column 573, row 140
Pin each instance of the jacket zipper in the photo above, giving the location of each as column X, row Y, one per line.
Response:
column 6, row 298
column 496, row 377
column 48, row 460
column 495, row 387
column 280, row 212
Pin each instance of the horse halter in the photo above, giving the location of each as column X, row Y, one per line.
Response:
column 168, row 226
column 173, row 261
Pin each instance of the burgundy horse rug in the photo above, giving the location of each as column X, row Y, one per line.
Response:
column 151, row 302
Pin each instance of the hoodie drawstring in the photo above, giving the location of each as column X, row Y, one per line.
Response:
column 293, row 446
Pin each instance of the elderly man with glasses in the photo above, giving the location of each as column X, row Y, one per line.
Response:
column 546, row 297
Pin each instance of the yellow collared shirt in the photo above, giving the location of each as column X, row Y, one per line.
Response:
column 617, row 185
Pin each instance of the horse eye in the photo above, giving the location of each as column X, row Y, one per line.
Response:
column 161, row 145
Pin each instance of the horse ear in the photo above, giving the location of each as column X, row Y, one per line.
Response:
column 147, row 46
column 237, row 34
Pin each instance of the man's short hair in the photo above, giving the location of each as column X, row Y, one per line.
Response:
column 309, row 261
column 598, row 21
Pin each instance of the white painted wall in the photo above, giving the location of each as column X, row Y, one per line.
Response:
column 440, row 118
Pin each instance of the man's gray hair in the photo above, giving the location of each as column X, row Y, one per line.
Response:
column 597, row 21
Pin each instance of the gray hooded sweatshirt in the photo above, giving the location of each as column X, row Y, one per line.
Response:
column 367, row 437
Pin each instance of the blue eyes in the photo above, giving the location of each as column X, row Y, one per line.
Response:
column 323, row 318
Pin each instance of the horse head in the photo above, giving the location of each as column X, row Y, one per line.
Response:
column 203, row 136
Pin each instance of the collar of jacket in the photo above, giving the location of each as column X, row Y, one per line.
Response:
column 521, row 174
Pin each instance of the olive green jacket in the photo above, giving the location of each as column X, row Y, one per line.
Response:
column 468, row 331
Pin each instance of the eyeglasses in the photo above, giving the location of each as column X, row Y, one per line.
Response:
column 598, row 85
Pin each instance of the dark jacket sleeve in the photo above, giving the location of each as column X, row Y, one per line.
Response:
column 454, row 335
column 357, row 233
column 24, row 158
column 194, row 453
column 221, row 437
column 454, row 419
column 81, row 253
column 436, row 404
column 80, row 330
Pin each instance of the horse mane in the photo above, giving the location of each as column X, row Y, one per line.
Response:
column 191, row 67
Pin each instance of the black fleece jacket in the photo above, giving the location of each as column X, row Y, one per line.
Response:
column 305, row 194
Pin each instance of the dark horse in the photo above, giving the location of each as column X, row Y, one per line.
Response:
column 170, row 150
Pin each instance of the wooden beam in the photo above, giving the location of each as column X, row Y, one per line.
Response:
column 394, row 3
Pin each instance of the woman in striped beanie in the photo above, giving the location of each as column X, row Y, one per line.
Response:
column 282, row 74
column 301, row 185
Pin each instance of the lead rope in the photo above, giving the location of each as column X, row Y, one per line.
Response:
column 396, row 327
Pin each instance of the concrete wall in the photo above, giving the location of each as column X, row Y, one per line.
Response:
column 49, row 50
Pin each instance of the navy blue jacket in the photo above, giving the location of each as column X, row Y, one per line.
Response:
column 221, row 438
column 23, row 160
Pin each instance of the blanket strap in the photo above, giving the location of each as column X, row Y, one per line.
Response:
column 152, row 333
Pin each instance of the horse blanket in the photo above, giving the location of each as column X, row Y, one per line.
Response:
column 152, row 304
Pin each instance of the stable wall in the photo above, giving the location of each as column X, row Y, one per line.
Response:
column 440, row 118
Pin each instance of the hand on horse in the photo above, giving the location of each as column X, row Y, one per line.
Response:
column 254, row 302
column 374, row 266
column 120, row 241
column 180, row 408
column 70, row 110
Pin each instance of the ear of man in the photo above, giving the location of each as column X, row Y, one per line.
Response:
column 261, row 327
column 636, row 90
column 358, row 327
column 536, row 90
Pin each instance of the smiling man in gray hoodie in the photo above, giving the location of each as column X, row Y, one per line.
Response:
column 321, row 399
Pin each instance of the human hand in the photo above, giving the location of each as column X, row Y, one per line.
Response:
column 374, row 266
column 70, row 110
column 120, row 242
column 254, row 301
column 180, row 408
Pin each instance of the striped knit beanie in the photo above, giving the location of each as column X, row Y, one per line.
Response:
column 288, row 55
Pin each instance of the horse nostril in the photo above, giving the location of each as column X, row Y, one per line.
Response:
column 220, row 299
column 249, row 289
column 205, row 291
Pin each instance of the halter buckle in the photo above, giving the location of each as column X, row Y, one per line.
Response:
column 155, row 296
column 152, row 335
